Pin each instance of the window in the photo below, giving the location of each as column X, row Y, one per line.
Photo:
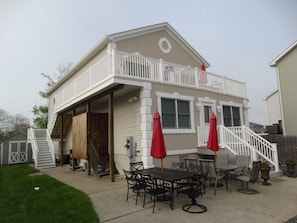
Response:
column 175, row 114
column 231, row 116
column 207, row 111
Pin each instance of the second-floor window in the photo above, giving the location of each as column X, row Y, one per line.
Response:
column 175, row 114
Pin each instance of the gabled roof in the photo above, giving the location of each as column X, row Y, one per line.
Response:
column 13, row 135
column 270, row 94
column 153, row 28
column 283, row 54
column 125, row 35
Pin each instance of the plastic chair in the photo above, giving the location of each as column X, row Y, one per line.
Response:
column 249, row 176
column 242, row 161
column 222, row 158
column 213, row 175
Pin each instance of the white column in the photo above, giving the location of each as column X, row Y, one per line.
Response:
column 146, row 124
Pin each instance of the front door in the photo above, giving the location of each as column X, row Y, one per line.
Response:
column 18, row 152
column 205, row 112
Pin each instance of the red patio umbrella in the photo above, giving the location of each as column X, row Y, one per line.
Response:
column 158, row 149
column 213, row 142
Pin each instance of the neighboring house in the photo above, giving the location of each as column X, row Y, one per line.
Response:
column 274, row 113
column 257, row 128
column 15, row 149
column 273, row 107
column 286, row 70
column 102, row 108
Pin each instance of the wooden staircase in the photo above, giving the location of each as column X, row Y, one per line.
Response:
column 56, row 131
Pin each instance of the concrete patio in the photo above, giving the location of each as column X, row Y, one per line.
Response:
column 275, row 203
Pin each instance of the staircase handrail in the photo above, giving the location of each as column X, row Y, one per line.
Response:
column 264, row 148
column 227, row 139
column 51, row 123
column 235, row 144
column 31, row 138
column 242, row 140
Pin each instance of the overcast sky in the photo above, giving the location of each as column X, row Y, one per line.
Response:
column 239, row 38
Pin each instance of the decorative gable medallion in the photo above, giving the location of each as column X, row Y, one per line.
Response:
column 165, row 45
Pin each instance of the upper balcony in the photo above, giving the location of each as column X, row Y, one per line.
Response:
column 137, row 67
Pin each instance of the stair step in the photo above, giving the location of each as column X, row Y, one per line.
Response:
column 46, row 166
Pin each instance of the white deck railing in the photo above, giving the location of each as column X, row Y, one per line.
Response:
column 243, row 141
column 33, row 135
column 32, row 139
column 263, row 147
column 134, row 66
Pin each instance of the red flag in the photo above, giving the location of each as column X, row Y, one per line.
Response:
column 203, row 75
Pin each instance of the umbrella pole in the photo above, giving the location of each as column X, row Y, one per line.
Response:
column 162, row 165
column 215, row 161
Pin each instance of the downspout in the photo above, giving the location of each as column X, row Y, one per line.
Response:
column 281, row 102
column 61, row 139
column 111, row 138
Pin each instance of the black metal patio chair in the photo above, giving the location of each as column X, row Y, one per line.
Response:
column 136, row 165
column 134, row 183
column 194, row 190
column 156, row 190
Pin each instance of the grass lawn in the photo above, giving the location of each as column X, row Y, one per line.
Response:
column 53, row 202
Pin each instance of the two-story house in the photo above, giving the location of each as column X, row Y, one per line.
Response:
column 286, row 72
column 103, row 107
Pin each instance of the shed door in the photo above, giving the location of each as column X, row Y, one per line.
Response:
column 18, row 152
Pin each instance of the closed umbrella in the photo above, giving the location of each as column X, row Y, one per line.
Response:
column 158, row 149
column 213, row 142
column 203, row 75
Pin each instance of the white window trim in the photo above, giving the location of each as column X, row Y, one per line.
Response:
column 177, row 96
column 232, row 104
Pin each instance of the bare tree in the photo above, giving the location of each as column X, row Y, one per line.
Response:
column 10, row 124
column 41, row 111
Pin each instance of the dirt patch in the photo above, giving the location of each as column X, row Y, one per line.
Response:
column 35, row 174
column 277, row 179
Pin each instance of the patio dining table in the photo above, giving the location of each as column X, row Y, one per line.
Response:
column 225, row 168
column 169, row 175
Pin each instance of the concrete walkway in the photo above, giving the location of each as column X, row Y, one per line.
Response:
column 274, row 204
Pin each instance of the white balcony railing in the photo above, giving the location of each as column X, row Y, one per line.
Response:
column 134, row 66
